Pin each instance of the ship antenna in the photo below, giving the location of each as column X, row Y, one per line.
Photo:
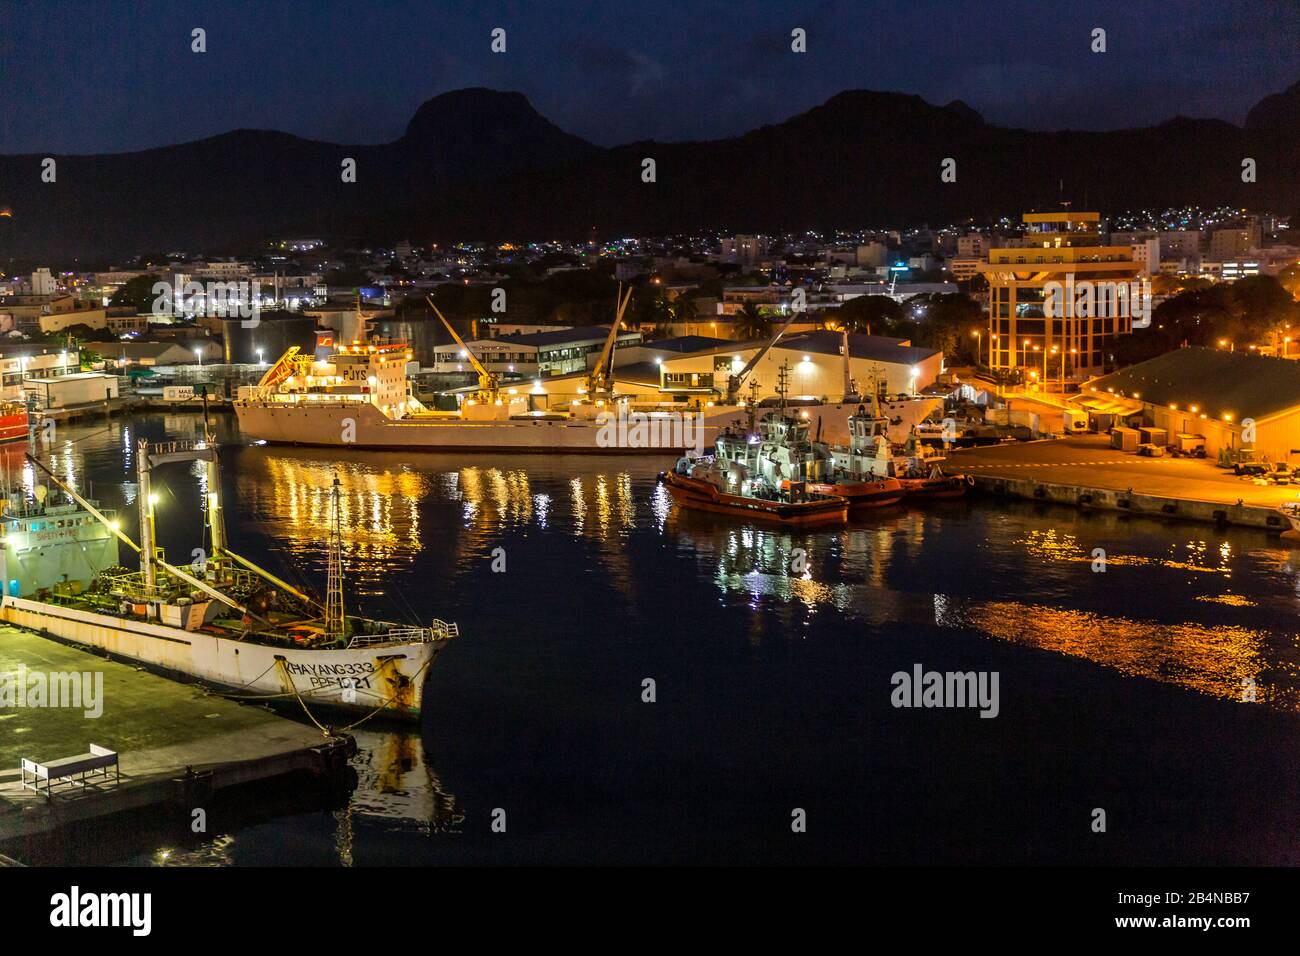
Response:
column 334, row 621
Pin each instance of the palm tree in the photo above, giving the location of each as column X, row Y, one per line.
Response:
column 752, row 323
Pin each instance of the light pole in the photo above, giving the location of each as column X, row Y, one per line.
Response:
column 1055, row 351
column 198, row 353
column 260, row 363
column 978, row 346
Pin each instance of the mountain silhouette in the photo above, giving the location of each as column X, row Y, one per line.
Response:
column 479, row 164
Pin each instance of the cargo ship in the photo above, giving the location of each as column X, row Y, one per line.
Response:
column 221, row 620
column 360, row 397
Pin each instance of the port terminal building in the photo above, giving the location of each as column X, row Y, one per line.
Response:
column 532, row 355
column 1234, row 400
column 694, row 370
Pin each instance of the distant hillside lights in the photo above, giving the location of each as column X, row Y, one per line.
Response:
column 241, row 299
column 1100, row 299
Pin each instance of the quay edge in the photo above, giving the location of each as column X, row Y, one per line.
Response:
column 1130, row 502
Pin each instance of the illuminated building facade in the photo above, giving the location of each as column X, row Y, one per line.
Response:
column 1039, row 318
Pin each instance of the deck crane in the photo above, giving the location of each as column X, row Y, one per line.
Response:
column 489, row 383
column 600, row 379
column 736, row 379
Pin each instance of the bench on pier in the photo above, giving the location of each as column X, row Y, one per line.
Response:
column 72, row 769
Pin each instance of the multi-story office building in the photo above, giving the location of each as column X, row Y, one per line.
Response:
column 43, row 283
column 1226, row 244
column 1058, row 298
column 973, row 245
column 1180, row 243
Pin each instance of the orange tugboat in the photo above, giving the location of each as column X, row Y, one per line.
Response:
column 869, row 455
column 705, row 484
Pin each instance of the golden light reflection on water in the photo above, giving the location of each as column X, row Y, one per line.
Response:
column 1056, row 546
column 1231, row 600
column 380, row 510
column 1213, row 659
column 1218, row 660
column 381, row 507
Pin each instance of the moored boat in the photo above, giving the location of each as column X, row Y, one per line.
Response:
column 917, row 467
column 702, row 485
column 14, row 421
column 221, row 620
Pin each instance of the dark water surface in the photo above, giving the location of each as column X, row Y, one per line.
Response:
column 772, row 653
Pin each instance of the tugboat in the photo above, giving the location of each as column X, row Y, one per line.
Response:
column 870, row 454
column 765, row 475
column 221, row 620
column 727, row 487
column 784, row 453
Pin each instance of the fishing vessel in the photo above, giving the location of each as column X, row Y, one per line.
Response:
column 221, row 619
column 360, row 397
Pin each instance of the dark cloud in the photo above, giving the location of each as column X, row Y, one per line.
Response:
column 114, row 76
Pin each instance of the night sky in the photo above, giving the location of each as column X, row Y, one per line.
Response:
column 108, row 76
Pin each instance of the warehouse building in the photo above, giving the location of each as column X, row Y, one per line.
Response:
column 1234, row 399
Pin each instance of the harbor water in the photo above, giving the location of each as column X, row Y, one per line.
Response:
column 635, row 684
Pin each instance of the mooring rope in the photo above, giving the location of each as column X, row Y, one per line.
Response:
column 325, row 730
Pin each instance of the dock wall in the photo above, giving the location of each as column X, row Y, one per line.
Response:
column 1154, row 506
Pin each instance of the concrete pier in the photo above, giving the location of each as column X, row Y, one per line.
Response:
column 176, row 743
column 1084, row 471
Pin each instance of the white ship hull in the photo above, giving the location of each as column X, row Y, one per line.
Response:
column 365, row 426
column 359, row 680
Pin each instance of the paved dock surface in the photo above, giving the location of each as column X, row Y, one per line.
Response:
column 158, row 726
column 1089, row 462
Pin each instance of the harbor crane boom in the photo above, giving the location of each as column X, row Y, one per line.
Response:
column 737, row 379
column 600, row 380
column 489, row 383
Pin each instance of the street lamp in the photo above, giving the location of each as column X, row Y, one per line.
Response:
column 198, row 352
column 976, row 334
column 259, row 358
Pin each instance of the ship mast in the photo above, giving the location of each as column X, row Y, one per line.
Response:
column 335, row 626
column 144, row 498
column 783, row 384
column 212, row 475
